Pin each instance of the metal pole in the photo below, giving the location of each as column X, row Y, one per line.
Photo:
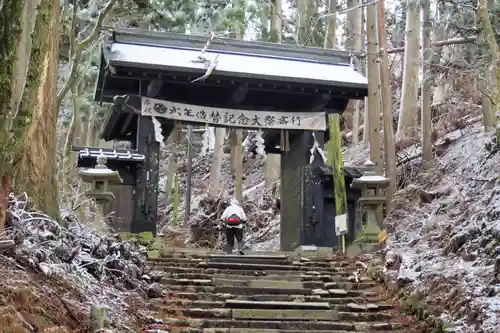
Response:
column 189, row 175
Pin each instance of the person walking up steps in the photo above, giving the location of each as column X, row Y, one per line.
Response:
column 234, row 220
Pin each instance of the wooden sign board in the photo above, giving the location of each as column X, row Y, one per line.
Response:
column 311, row 121
column 341, row 224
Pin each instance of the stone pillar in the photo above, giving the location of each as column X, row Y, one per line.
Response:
column 123, row 207
column 371, row 185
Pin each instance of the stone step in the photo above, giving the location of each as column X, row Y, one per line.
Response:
column 205, row 253
column 300, row 314
column 201, row 304
column 272, row 293
column 186, row 282
column 233, row 303
column 253, row 330
column 250, row 271
column 180, row 260
column 322, row 263
column 343, row 293
column 335, row 277
column 267, row 283
column 251, row 255
column 349, row 285
column 258, row 330
column 356, row 305
column 276, row 314
column 239, row 258
column 189, row 263
column 241, row 304
column 261, row 267
column 363, row 299
column 385, row 326
column 243, row 260
column 241, row 290
column 254, row 259
column 249, row 282
column 277, row 284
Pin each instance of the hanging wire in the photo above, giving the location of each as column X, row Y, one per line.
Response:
column 363, row 4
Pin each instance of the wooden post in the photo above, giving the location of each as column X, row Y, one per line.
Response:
column 385, row 89
column 335, row 157
column 189, row 175
column 426, row 88
column 373, row 86
column 238, row 166
column 176, row 200
column 146, row 191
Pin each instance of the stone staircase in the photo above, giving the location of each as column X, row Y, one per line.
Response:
column 272, row 293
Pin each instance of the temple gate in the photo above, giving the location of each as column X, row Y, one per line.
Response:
column 156, row 79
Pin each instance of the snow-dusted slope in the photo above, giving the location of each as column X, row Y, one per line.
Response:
column 444, row 236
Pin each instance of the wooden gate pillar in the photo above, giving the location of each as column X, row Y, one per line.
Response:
column 301, row 194
column 146, row 191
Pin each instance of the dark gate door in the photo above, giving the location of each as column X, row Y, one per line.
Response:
column 323, row 232
column 351, row 216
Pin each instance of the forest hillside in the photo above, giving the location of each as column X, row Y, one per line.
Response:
column 429, row 124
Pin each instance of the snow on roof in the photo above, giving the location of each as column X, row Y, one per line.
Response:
column 247, row 65
column 97, row 171
column 372, row 179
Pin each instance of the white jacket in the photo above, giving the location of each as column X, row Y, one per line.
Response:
column 234, row 209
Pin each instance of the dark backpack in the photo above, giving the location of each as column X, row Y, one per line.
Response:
column 234, row 220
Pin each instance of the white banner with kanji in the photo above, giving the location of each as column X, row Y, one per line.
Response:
column 312, row 121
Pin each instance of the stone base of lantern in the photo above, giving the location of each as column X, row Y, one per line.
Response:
column 101, row 197
column 357, row 249
column 368, row 240
column 98, row 221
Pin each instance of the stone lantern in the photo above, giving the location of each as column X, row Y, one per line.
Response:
column 370, row 185
column 101, row 178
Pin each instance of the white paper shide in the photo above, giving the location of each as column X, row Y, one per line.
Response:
column 208, row 143
column 316, row 148
column 260, row 147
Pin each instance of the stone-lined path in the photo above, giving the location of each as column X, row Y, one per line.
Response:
column 272, row 293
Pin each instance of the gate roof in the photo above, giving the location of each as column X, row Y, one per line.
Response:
column 147, row 55
column 256, row 76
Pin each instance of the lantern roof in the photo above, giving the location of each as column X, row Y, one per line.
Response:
column 100, row 172
column 90, row 175
column 370, row 179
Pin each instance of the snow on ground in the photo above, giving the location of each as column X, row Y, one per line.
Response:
column 445, row 232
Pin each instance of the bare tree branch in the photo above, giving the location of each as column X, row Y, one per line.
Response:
column 97, row 27
column 72, row 31
column 339, row 12
column 453, row 41
column 77, row 49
